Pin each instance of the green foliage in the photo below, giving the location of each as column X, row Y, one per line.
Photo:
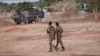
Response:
column 81, row 1
column 44, row 3
column 22, row 6
column 25, row 5
column 4, row 7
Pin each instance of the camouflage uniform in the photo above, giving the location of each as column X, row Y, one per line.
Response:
column 51, row 32
column 59, row 32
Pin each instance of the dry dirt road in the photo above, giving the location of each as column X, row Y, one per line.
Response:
column 32, row 40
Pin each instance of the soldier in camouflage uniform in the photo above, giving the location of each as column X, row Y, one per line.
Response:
column 59, row 32
column 51, row 32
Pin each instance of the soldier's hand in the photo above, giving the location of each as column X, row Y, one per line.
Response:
column 48, row 32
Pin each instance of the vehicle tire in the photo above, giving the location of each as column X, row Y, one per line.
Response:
column 18, row 22
column 30, row 21
column 26, row 21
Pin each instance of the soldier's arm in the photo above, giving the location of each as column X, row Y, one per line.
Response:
column 48, row 30
column 61, row 29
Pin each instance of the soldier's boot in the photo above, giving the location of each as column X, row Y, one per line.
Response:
column 50, row 50
column 63, row 49
column 50, row 43
column 56, row 48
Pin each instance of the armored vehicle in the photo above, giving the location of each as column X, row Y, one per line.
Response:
column 25, row 16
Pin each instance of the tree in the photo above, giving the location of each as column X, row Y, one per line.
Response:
column 93, row 6
column 25, row 5
column 4, row 7
column 44, row 3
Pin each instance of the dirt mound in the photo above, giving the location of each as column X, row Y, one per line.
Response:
column 5, row 23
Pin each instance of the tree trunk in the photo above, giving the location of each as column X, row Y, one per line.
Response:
column 95, row 14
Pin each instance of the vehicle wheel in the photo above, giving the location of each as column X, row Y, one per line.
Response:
column 18, row 21
column 26, row 21
column 30, row 21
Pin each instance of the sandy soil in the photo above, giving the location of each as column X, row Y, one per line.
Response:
column 80, row 39
column 32, row 40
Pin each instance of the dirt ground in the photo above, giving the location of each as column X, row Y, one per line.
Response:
column 80, row 39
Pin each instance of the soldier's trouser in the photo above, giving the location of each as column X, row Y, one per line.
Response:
column 59, row 41
column 50, row 44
